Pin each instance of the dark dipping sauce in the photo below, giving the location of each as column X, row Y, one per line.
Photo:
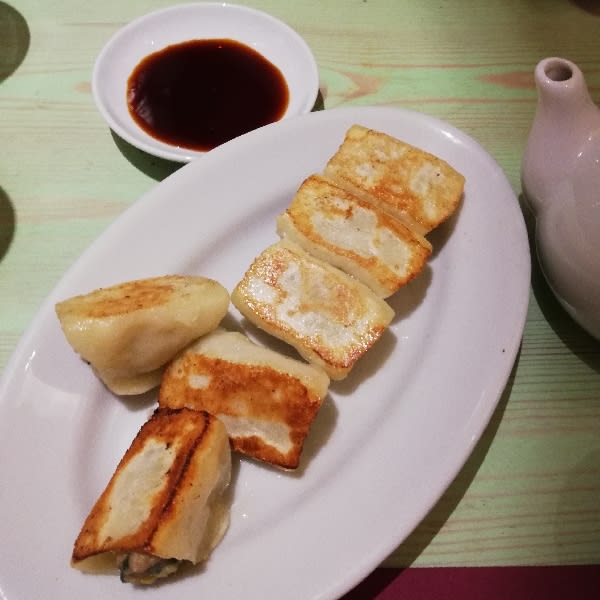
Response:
column 202, row 93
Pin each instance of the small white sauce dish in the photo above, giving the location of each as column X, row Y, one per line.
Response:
column 270, row 37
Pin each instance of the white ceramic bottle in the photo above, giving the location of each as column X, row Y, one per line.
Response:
column 560, row 176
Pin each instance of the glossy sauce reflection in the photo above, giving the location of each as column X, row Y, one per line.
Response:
column 202, row 93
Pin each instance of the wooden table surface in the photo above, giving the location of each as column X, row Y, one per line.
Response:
column 530, row 492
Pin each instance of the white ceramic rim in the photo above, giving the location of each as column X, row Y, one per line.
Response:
column 385, row 445
column 274, row 39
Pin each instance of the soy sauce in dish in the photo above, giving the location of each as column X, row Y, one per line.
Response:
column 201, row 93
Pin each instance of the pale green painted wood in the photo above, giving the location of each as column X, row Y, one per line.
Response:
column 530, row 492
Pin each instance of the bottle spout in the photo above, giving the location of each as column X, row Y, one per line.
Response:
column 564, row 116
column 561, row 87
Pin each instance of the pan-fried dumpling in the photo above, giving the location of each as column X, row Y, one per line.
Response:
column 267, row 401
column 331, row 318
column 417, row 188
column 165, row 503
column 129, row 331
column 353, row 235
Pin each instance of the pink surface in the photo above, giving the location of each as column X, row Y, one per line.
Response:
column 481, row 583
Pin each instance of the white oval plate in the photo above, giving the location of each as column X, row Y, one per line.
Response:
column 386, row 443
column 268, row 36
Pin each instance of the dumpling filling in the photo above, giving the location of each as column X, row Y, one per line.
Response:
column 145, row 569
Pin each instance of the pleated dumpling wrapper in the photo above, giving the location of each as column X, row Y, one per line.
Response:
column 267, row 401
column 129, row 331
column 167, row 501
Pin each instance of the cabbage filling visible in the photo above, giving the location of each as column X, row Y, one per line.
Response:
column 142, row 568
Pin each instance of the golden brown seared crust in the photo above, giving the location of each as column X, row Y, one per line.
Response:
column 267, row 401
column 353, row 235
column 127, row 297
column 329, row 317
column 412, row 185
column 129, row 331
column 176, row 467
